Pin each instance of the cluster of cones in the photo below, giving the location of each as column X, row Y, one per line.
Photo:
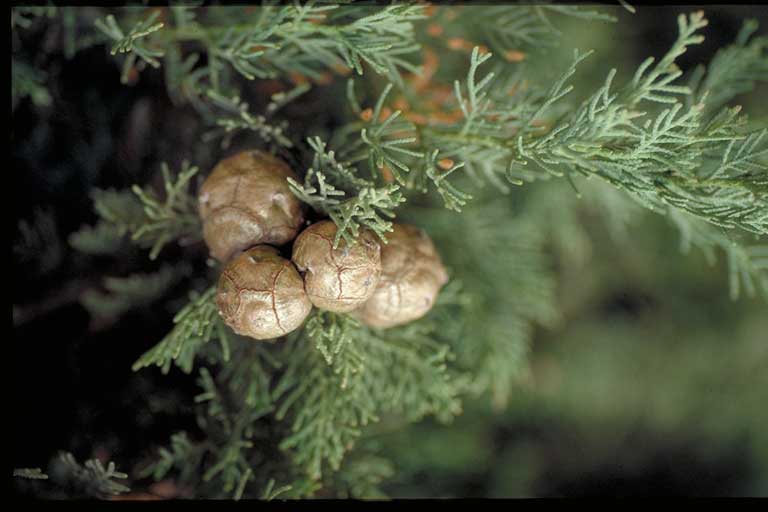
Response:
column 249, row 219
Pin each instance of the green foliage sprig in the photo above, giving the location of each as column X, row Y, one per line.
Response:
column 370, row 207
column 132, row 42
column 234, row 116
column 151, row 221
column 172, row 217
column 195, row 325
column 404, row 371
column 747, row 262
column 91, row 479
column 32, row 473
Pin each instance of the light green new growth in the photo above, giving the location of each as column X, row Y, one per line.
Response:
column 370, row 207
column 132, row 43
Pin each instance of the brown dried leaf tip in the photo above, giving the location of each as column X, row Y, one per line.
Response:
column 246, row 201
column 338, row 279
column 411, row 277
column 261, row 294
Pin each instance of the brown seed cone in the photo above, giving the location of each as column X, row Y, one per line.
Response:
column 338, row 279
column 261, row 294
column 246, row 201
column 411, row 277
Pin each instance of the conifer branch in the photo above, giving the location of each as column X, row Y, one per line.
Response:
column 91, row 479
column 133, row 42
column 195, row 325
column 31, row 473
column 661, row 161
column 369, row 207
column 233, row 116
column 402, row 370
column 151, row 220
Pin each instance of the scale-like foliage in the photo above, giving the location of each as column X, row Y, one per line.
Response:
column 234, row 116
column 369, row 207
column 672, row 148
column 133, row 42
column 330, row 399
column 734, row 70
column 196, row 324
column 152, row 221
column 747, row 263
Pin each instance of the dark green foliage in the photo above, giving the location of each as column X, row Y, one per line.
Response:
column 39, row 243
